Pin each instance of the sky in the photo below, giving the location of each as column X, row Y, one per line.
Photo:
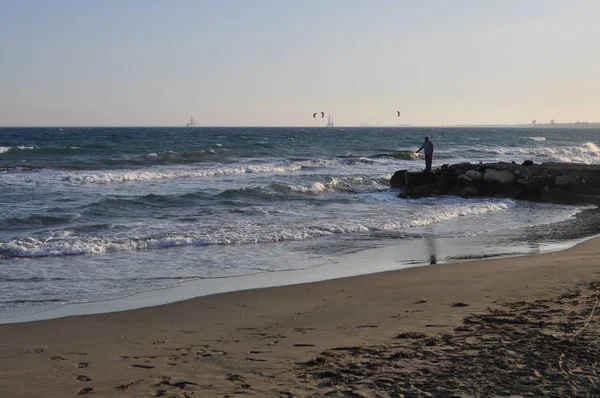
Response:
column 276, row 62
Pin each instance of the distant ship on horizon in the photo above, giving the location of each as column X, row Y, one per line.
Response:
column 329, row 121
column 191, row 123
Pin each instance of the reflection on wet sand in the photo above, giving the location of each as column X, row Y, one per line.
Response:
column 431, row 248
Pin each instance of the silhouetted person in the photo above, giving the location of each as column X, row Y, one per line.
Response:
column 427, row 149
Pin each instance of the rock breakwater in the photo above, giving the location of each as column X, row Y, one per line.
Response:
column 567, row 183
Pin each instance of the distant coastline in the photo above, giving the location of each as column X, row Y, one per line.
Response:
column 577, row 125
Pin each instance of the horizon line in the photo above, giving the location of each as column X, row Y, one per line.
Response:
column 528, row 125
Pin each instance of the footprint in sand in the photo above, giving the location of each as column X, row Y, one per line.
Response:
column 58, row 359
column 411, row 335
column 82, row 365
column 180, row 384
column 304, row 330
column 142, row 366
column 459, row 304
column 255, row 359
column 85, row 390
column 235, row 377
column 83, row 378
column 125, row 386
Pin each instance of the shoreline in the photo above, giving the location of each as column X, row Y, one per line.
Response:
column 389, row 259
column 256, row 341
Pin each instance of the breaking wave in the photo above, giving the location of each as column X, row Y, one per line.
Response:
column 587, row 153
column 240, row 234
column 332, row 185
column 146, row 175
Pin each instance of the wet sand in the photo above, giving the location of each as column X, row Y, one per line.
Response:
column 516, row 326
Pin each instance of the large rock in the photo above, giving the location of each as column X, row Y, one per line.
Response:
column 398, row 179
column 564, row 180
column 465, row 178
column 499, row 176
column 474, row 175
column 424, row 190
column 469, row 191
column 422, row 178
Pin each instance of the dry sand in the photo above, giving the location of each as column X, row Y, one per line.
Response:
column 517, row 326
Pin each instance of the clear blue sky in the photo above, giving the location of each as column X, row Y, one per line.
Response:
column 275, row 62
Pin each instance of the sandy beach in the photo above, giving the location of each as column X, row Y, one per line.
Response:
column 515, row 326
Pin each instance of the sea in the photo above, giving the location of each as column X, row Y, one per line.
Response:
column 102, row 215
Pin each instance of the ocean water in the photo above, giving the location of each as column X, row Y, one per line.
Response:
column 102, row 213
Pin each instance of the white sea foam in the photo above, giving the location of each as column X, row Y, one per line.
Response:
column 318, row 162
column 587, row 153
column 162, row 174
column 315, row 187
column 244, row 233
column 537, row 138
column 344, row 184
column 4, row 149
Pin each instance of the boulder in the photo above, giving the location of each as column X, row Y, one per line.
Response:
column 422, row 178
column 469, row 191
column 424, row 190
column 474, row 175
column 523, row 182
column 465, row 178
column 398, row 179
column 455, row 191
column 446, row 179
column 564, row 180
column 499, row 176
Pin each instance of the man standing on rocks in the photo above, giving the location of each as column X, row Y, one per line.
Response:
column 427, row 148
